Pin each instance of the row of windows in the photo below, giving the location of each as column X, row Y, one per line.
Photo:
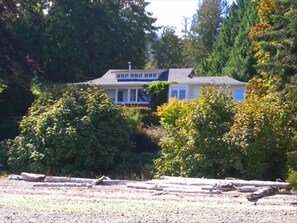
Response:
column 136, row 95
column 180, row 94
column 146, row 75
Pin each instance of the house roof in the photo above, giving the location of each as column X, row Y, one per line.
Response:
column 180, row 75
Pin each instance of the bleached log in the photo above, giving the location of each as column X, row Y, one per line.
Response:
column 248, row 189
column 190, row 190
column 66, row 184
column 69, row 179
column 114, row 182
column 174, row 188
column 203, row 181
column 263, row 192
column 15, row 177
column 99, row 181
column 32, row 177
column 105, row 181
column 225, row 187
column 141, row 185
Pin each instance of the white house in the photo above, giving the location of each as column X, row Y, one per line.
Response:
column 126, row 86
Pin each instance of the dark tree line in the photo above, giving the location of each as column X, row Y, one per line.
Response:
column 77, row 40
column 65, row 41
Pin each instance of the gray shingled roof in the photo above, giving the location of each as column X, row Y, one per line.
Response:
column 216, row 80
column 182, row 76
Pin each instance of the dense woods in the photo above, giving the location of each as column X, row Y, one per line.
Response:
column 45, row 126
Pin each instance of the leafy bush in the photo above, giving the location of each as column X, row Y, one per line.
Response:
column 260, row 132
column 292, row 169
column 158, row 92
column 141, row 116
column 292, row 179
column 78, row 130
column 194, row 145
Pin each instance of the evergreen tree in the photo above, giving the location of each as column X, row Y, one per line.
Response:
column 205, row 27
column 167, row 50
column 78, row 39
column 17, row 66
column 232, row 53
column 241, row 62
column 278, row 41
column 15, row 62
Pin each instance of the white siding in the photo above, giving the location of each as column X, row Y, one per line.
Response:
column 195, row 91
column 111, row 93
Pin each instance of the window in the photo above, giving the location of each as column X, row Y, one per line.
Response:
column 238, row 94
column 133, row 95
column 174, row 93
column 120, row 96
column 182, row 94
column 142, row 96
column 178, row 93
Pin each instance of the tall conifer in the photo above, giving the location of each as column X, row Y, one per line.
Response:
column 232, row 52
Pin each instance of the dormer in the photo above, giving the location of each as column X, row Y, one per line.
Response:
column 125, row 75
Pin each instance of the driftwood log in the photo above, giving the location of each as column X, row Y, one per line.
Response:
column 66, row 184
column 248, row 189
column 235, row 182
column 143, row 185
column 258, row 188
column 68, row 179
column 191, row 190
column 15, row 177
column 173, row 188
column 262, row 192
column 32, row 177
column 99, row 181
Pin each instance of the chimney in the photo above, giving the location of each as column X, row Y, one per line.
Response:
column 129, row 65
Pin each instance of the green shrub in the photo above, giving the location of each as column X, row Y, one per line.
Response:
column 292, row 179
column 292, row 169
column 158, row 93
column 260, row 133
column 194, row 145
column 141, row 116
column 78, row 130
